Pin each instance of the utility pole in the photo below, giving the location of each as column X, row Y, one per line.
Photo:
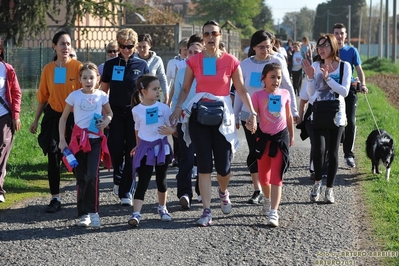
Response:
column 369, row 37
column 349, row 24
column 380, row 36
column 386, row 29
column 395, row 32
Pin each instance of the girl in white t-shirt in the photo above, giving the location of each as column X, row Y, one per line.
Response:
column 152, row 126
column 87, row 141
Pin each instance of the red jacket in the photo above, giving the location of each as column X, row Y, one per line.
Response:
column 80, row 142
column 13, row 91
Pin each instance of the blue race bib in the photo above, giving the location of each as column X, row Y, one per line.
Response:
column 274, row 104
column 59, row 75
column 151, row 116
column 209, row 66
column 255, row 80
column 118, row 73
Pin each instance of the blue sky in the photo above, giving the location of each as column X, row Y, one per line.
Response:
column 280, row 7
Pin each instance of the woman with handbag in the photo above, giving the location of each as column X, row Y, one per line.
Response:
column 214, row 134
column 10, row 106
column 329, row 80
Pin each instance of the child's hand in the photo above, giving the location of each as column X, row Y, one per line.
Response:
column 133, row 151
column 166, row 130
column 102, row 123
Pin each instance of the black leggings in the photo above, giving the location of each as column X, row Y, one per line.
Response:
column 144, row 176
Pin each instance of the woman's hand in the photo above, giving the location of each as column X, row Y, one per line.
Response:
column 62, row 144
column 324, row 70
column 33, row 127
column 308, row 68
column 174, row 117
column 251, row 123
column 133, row 151
column 16, row 124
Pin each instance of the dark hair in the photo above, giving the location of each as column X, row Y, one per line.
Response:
column 141, row 84
column 330, row 38
column 145, row 38
column 194, row 38
column 257, row 38
column 268, row 68
column 211, row 22
column 339, row 26
column 56, row 38
column 2, row 50
column 88, row 66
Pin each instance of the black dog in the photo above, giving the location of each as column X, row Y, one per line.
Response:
column 379, row 146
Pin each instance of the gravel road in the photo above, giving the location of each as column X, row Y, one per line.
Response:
column 309, row 233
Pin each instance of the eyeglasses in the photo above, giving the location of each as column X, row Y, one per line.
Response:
column 113, row 51
column 263, row 47
column 72, row 55
column 213, row 33
column 130, row 46
column 324, row 45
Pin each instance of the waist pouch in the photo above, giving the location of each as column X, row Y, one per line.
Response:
column 324, row 113
column 209, row 113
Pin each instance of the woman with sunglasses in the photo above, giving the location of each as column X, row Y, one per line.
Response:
column 119, row 78
column 323, row 84
column 213, row 70
column 58, row 79
column 260, row 54
column 112, row 51
column 155, row 63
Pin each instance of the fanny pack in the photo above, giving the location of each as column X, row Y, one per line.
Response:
column 208, row 113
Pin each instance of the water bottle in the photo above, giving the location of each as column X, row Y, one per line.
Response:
column 70, row 158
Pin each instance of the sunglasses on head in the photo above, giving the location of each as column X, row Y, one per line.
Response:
column 213, row 33
column 114, row 51
column 130, row 46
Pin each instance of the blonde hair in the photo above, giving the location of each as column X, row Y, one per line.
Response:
column 112, row 45
column 125, row 35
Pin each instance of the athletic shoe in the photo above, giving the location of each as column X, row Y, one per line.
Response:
column 273, row 219
column 84, row 220
column 199, row 199
column 185, row 202
column 126, row 202
column 134, row 220
column 225, row 203
column 95, row 220
column 256, row 197
column 54, row 206
column 350, row 162
column 116, row 190
column 206, row 218
column 312, row 176
column 265, row 206
column 165, row 216
column 315, row 193
column 2, row 199
column 329, row 196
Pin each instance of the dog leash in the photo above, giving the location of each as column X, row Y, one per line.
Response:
column 371, row 111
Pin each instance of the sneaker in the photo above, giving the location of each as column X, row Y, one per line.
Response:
column 329, row 196
column 350, row 162
column 54, row 206
column 126, row 202
column 315, row 193
column 206, row 218
column 134, row 220
column 165, row 216
column 84, row 220
column 225, row 203
column 2, row 199
column 273, row 219
column 256, row 197
column 265, row 206
column 199, row 199
column 312, row 176
column 116, row 190
column 185, row 202
column 95, row 220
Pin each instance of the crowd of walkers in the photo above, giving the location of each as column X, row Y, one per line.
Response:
column 120, row 115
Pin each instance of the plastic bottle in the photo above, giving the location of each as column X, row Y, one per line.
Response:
column 70, row 158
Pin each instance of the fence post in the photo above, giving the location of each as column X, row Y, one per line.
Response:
column 177, row 37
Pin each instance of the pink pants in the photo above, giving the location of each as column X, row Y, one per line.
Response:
column 270, row 169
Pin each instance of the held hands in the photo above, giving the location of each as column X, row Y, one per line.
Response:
column 308, row 68
column 251, row 123
column 174, row 117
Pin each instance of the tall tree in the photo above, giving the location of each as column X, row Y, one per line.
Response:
column 23, row 18
column 264, row 20
column 239, row 12
column 337, row 11
column 300, row 22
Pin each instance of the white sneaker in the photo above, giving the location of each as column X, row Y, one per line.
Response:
column 225, row 203
column 184, row 202
column 265, row 206
column 329, row 196
column 126, row 202
column 2, row 199
column 164, row 214
column 84, row 220
column 350, row 162
column 273, row 219
column 116, row 190
column 315, row 193
column 95, row 220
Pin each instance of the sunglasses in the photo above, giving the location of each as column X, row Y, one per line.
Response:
column 324, row 45
column 213, row 33
column 72, row 55
column 130, row 46
column 114, row 51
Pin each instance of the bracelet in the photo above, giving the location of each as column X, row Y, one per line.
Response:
column 178, row 107
column 309, row 78
column 253, row 113
column 327, row 79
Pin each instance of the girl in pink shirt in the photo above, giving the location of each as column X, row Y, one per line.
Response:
column 275, row 137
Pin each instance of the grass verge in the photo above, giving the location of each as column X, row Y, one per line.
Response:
column 27, row 166
column 381, row 197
